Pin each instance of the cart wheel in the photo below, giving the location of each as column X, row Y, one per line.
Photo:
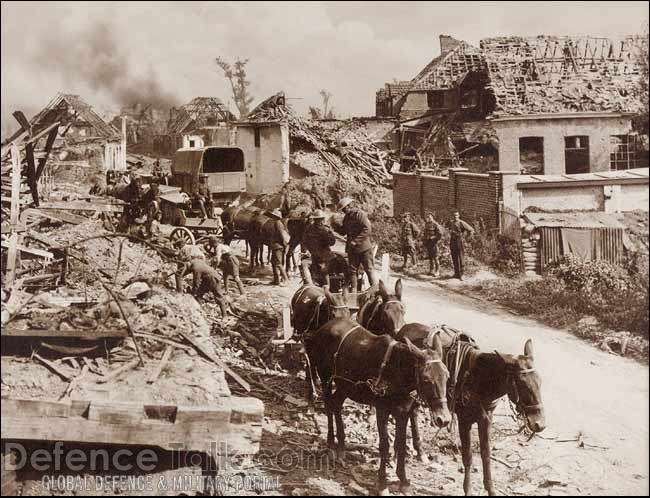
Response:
column 211, row 245
column 182, row 233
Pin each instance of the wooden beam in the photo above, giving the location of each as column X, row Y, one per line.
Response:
column 161, row 365
column 234, row 423
column 15, row 185
column 30, row 250
column 210, row 356
column 61, row 216
column 89, row 334
column 84, row 206
column 10, row 270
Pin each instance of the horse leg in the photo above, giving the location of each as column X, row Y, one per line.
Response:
column 339, row 398
column 464, row 430
column 384, row 446
column 484, row 425
column 401, row 423
column 415, row 432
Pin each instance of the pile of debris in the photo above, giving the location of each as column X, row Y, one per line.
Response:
column 346, row 152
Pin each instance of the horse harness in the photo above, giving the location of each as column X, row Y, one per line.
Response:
column 376, row 306
column 315, row 317
column 375, row 386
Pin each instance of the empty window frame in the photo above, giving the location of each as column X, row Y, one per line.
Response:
column 257, row 137
column 531, row 155
column 576, row 154
column 436, row 100
column 622, row 152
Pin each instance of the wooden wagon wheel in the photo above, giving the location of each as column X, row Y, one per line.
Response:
column 182, row 233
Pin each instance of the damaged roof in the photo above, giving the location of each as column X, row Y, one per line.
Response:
column 200, row 111
column 65, row 106
column 550, row 74
column 542, row 74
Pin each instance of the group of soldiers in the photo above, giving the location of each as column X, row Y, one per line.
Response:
column 431, row 237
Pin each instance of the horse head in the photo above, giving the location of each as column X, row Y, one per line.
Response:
column 524, row 387
column 392, row 311
column 338, row 303
column 431, row 377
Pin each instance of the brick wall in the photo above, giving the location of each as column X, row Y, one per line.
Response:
column 476, row 196
column 434, row 193
column 406, row 193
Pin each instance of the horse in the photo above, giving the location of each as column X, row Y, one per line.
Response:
column 480, row 380
column 377, row 371
column 296, row 227
column 383, row 313
column 311, row 308
column 236, row 222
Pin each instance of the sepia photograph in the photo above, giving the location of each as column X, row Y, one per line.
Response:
column 328, row 248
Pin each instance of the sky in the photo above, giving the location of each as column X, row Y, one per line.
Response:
column 112, row 53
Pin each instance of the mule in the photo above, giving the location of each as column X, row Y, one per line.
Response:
column 381, row 372
column 483, row 378
column 311, row 308
column 383, row 313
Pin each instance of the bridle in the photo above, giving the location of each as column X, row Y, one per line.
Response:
column 513, row 393
column 442, row 401
column 383, row 305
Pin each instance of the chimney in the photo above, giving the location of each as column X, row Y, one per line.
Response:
column 447, row 44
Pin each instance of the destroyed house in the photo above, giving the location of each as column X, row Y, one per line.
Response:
column 549, row 105
column 77, row 118
column 185, row 120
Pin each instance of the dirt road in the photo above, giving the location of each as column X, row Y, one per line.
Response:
column 586, row 391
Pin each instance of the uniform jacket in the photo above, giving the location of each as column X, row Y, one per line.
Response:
column 357, row 227
column 280, row 236
column 318, row 240
column 432, row 231
column 410, row 232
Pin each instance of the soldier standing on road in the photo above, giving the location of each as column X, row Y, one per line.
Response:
column 278, row 248
column 432, row 235
column 409, row 235
column 457, row 228
column 359, row 248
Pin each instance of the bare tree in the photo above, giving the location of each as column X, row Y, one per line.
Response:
column 327, row 112
column 315, row 113
column 236, row 74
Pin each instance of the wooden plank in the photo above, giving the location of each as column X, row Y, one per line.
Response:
column 30, row 250
column 119, row 371
column 61, row 216
column 236, row 423
column 161, row 365
column 51, row 366
column 10, row 270
column 199, row 347
column 15, row 185
column 103, row 207
column 89, row 334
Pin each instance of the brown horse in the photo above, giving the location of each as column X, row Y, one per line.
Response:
column 381, row 372
column 296, row 227
column 383, row 313
column 311, row 308
column 481, row 379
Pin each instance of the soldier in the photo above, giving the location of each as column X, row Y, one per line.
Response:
column 228, row 263
column 153, row 208
column 206, row 279
column 409, row 234
column 432, row 235
column 203, row 197
column 457, row 228
column 318, row 240
column 186, row 254
column 359, row 247
column 278, row 245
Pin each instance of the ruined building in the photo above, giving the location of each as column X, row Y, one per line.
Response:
column 540, row 105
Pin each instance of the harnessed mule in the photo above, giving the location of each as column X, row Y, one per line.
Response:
column 477, row 381
column 311, row 308
column 381, row 372
column 383, row 313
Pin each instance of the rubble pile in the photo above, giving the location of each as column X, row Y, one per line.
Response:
column 345, row 152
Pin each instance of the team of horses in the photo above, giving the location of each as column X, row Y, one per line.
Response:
column 379, row 360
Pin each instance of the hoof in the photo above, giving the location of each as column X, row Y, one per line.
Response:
column 422, row 458
column 383, row 491
column 405, row 488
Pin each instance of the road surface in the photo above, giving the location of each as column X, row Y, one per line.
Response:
column 602, row 396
